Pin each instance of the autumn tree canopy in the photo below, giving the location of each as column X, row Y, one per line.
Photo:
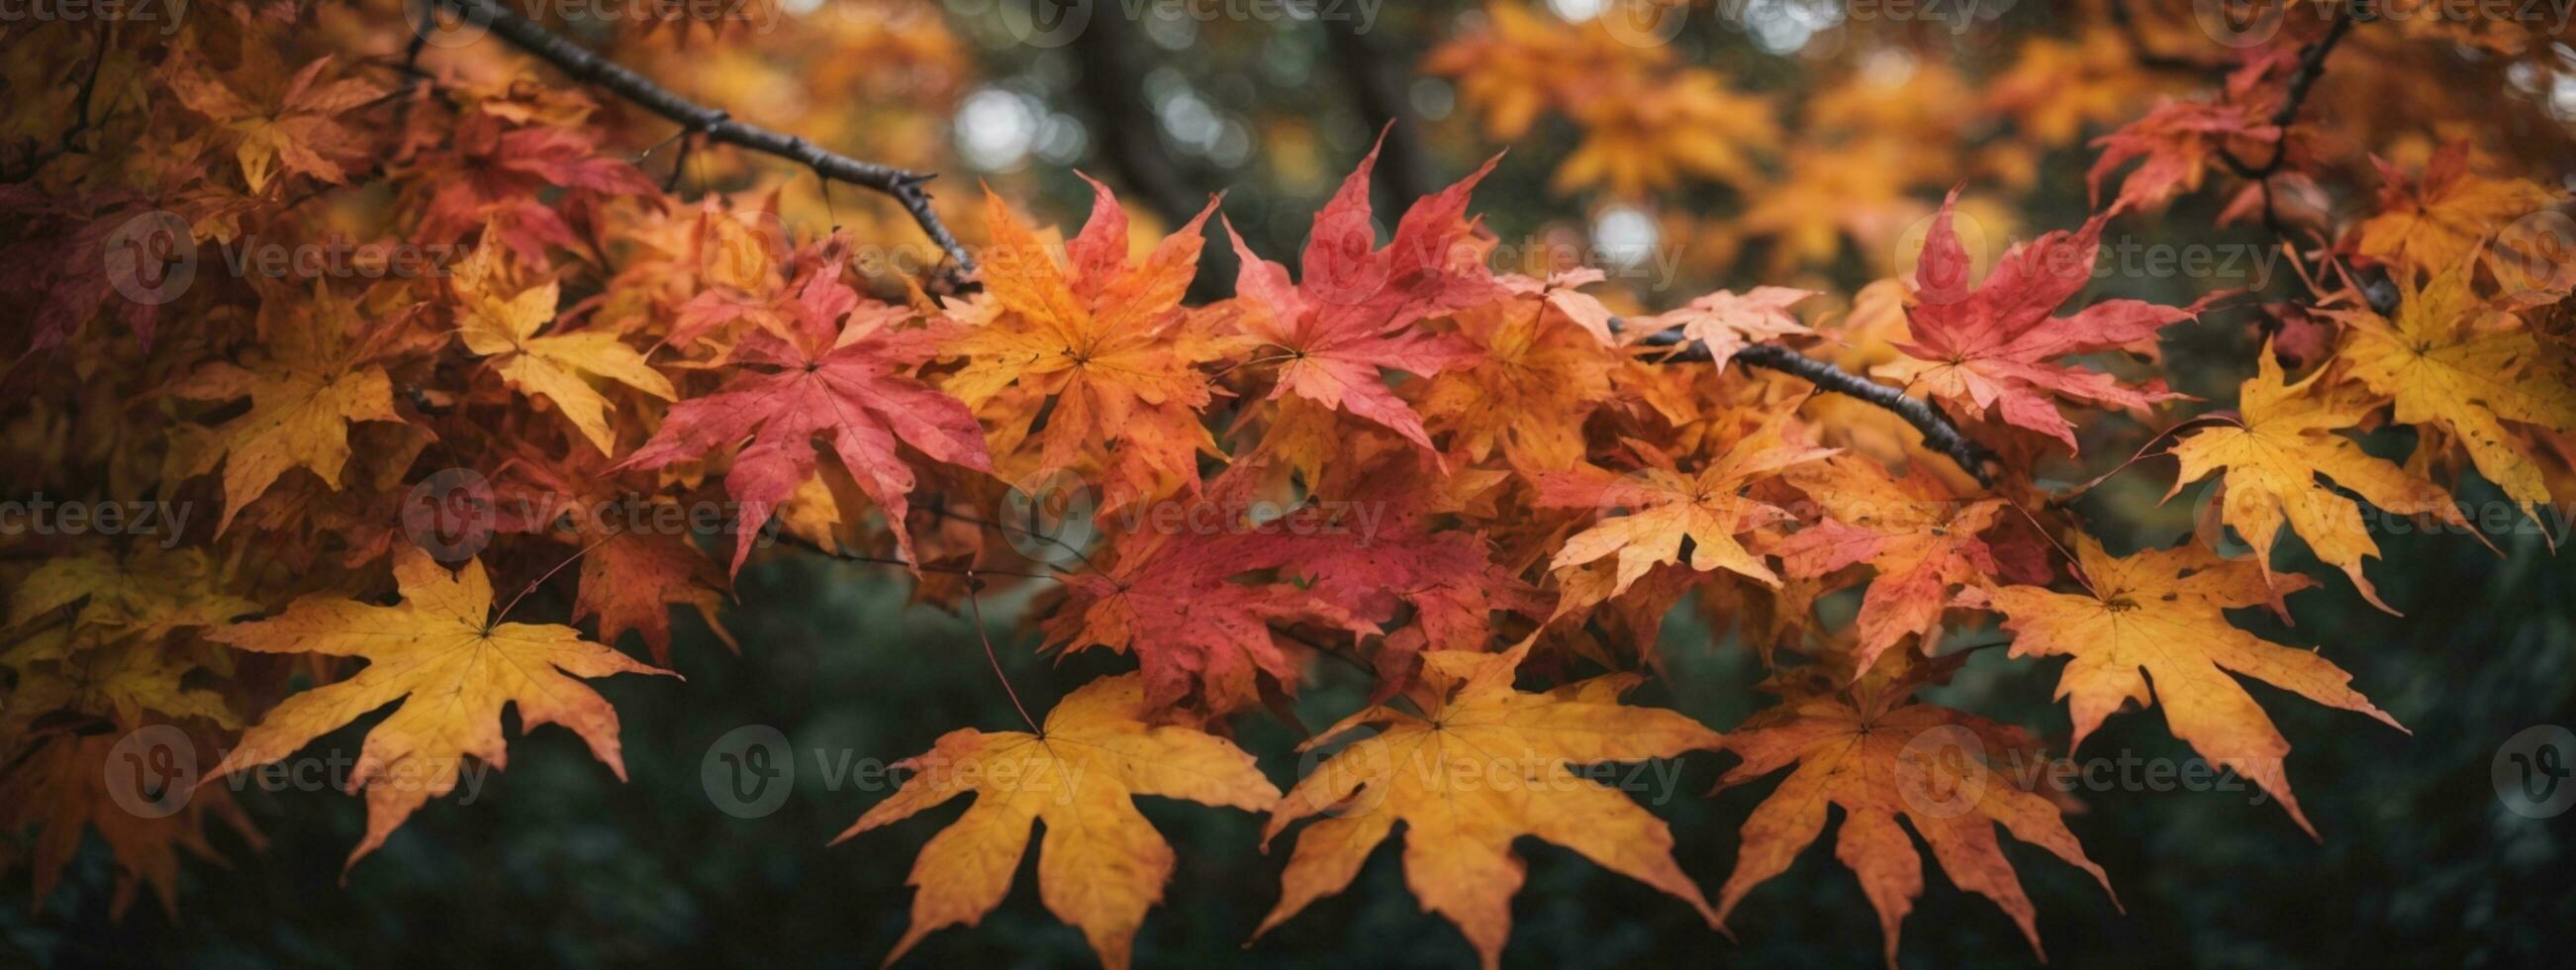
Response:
column 408, row 364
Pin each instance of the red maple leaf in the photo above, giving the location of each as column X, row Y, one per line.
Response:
column 1174, row 601
column 1994, row 347
column 1355, row 308
column 848, row 382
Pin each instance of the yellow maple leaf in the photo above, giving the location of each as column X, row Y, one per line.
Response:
column 1102, row 864
column 2158, row 615
column 2273, row 463
column 2443, row 218
column 302, row 396
column 1481, row 766
column 1876, row 754
column 1642, row 141
column 2447, row 361
column 142, row 596
column 555, row 365
column 452, row 664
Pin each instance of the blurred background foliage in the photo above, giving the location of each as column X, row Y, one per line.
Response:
column 1761, row 141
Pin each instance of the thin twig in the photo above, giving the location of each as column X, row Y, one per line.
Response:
column 1939, row 432
column 973, row 606
column 715, row 124
column 2312, row 65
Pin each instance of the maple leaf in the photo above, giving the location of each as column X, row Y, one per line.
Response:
column 630, row 576
column 2158, row 615
column 1102, row 864
column 2179, row 141
column 2443, row 218
column 1375, row 547
column 302, row 396
column 2448, row 362
column 1726, row 322
column 2057, row 86
column 65, row 788
column 555, row 365
column 1562, row 292
column 845, row 381
column 1644, row 137
column 1520, row 63
column 1355, row 307
column 1540, row 376
column 1668, row 508
column 1173, row 602
column 1991, row 347
column 1106, row 341
column 450, row 663
column 1877, row 754
column 294, row 126
column 144, row 595
column 488, row 172
column 1481, row 765
column 1922, row 542
column 2276, row 465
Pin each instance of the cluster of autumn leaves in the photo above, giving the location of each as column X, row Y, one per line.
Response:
column 1461, row 480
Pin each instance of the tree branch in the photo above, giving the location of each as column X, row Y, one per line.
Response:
column 1939, row 432
column 714, row 123
column 2312, row 65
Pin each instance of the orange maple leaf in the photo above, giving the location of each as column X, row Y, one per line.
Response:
column 1106, row 341
column 1667, row 508
column 1875, row 753
column 271, row 124
column 1922, row 542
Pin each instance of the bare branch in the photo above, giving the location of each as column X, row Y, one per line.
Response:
column 1939, row 432
column 715, row 124
column 2303, row 78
